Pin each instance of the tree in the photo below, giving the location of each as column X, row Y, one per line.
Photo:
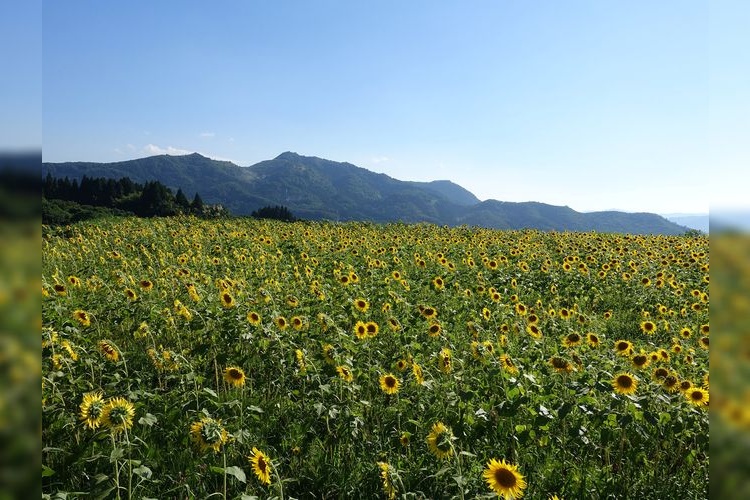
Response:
column 182, row 201
column 278, row 213
column 197, row 205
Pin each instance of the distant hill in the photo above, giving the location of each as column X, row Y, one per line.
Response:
column 315, row 188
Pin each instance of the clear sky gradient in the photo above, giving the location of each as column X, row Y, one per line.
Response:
column 595, row 105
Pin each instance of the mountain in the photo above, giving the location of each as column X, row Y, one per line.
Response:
column 315, row 188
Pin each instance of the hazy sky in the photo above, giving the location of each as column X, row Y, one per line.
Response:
column 590, row 104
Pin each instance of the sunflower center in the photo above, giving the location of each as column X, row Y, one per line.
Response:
column 697, row 396
column 624, row 381
column 235, row 373
column 262, row 464
column 390, row 382
column 640, row 360
column 505, row 478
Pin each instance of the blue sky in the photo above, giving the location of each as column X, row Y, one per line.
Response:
column 590, row 104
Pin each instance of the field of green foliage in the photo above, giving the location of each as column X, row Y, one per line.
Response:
column 185, row 358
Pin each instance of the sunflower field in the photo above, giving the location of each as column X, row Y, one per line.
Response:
column 185, row 358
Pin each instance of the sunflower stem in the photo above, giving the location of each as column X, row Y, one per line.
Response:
column 278, row 479
column 224, row 456
column 130, row 465
column 117, row 468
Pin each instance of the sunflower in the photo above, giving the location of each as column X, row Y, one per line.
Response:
column 281, row 322
column 394, row 324
column 534, row 331
column 91, row 409
column 261, row 464
column 208, row 434
column 504, row 479
column 641, row 360
column 659, row 374
column 686, row 332
column 571, row 340
column 508, row 364
column 703, row 342
column 146, row 285
column 360, row 330
column 299, row 355
column 623, row 347
column 486, row 314
column 345, row 373
column 74, row 280
column 648, row 327
column 292, row 301
column 372, row 328
column 565, row 313
column 416, row 370
column 386, row 471
column 593, row 339
column 624, row 383
column 439, row 440
column 253, row 318
column 489, row 348
column 130, row 294
column 117, row 415
column 561, row 365
column 109, row 350
column 361, row 305
column 671, row 383
column 227, row 301
column 521, row 309
column 435, row 329
column 705, row 329
column 404, row 439
column 298, row 323
column 82, row 317
column 328, row 354
column 444, row 360
column 705, row 381
column 685, row 385
column 607, row 315
column 234, row 375
column 402, row 365
column 697, row 396
column 389, row 384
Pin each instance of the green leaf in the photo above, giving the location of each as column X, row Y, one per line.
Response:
column 211, row 392
column 143, row 472
column 237, row 472
column 46, row 471
column 116, row 454
column 148, row 420
column 565, row 409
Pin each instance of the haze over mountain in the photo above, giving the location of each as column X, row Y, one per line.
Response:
column 315, row 188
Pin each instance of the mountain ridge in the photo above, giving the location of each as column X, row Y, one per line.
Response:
column 317, row 188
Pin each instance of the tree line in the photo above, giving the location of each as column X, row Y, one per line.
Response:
column 119, row 196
